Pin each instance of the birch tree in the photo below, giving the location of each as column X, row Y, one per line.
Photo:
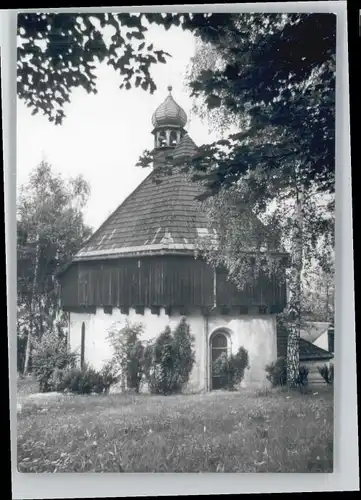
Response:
column 50, row 231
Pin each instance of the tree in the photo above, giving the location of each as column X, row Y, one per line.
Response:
column 279, row 167
column 128, row 353
column 286, row 86
column 183, row 352
column 59, row 52
column 168, row 360
column 207, row 57
column 319, row 295
column 274, row 74
column 51, row 229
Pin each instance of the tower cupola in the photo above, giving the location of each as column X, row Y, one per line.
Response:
column 168, row 120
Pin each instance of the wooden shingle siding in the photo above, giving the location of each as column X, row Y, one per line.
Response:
column 162, row 281
column 69, row 287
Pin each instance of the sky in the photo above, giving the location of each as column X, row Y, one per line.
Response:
column 103, row 136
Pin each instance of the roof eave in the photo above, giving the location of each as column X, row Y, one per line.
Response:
column 136, row 252
column 317, row 358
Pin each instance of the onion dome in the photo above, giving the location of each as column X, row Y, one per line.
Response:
column 169, row 114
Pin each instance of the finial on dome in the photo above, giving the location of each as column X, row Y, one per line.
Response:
column 170, row 88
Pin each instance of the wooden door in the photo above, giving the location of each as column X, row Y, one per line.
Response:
column 219, row 346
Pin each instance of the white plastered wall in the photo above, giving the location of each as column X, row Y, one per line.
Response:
column 256, row 334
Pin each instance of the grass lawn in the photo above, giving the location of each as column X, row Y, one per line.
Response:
column 216, row 432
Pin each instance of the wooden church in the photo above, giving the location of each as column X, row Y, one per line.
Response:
column 141, row 265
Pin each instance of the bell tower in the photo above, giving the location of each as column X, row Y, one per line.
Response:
column 168, row 120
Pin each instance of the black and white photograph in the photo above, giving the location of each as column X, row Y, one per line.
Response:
column 175, row 242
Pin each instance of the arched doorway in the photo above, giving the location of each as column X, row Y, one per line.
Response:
column 218, row 346
column 82, row 345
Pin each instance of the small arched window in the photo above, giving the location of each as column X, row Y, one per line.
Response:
column 82, row 346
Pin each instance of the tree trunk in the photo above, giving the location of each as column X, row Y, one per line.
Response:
column 32, row 313
column 327, row 300
column 294, row 326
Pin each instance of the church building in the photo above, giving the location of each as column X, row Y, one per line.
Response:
column 141, row 265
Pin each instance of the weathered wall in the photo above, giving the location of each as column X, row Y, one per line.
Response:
column 256, row 334
column 163, row 281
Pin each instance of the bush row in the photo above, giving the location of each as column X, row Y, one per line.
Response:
column 163, row 364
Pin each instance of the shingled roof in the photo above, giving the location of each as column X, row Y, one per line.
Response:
column 309, row 351
column 156, row 217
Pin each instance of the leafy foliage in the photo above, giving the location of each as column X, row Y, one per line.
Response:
column 281, row 163
column 183, row 351
column 327, row 373
column 239, row 241
column 277, row 373
column 50, row 230
column 109, row 376
column 127, row 354
column 231, row 368
column 134, row 368
column 303, row 376
column 168, row 361
column 319, row 294
column 165, row 358
column 272, row 75
column 51, row 357
column 84, row 381
column 60, row 52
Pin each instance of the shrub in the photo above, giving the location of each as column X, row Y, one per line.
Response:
column 90, row 381
column 134, row 365
column 57, row 378
column 277, row 373
column 151, row 369
column 237, row 366
column 326, row 373
column 302, row 380
column 184, row 355
column 165, row 358
column 86, row 380
column 128, row 354
column 109, row 374
column 231, row 368
column 71, row 380
column 50, row 357
column 168, row 361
